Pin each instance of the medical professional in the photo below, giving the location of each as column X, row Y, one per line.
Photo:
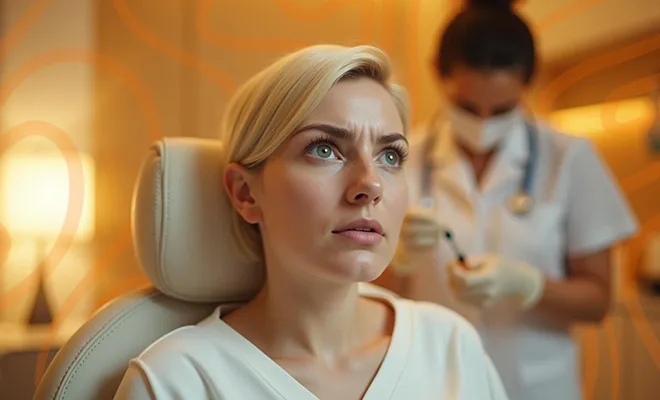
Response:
column 532, row 212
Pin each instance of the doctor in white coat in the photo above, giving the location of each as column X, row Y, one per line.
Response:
column 534, row 211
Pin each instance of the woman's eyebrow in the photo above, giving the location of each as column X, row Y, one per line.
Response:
column 343, row 133
column 332, row 130
column 391, row 138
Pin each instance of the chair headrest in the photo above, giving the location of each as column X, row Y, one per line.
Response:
column 180, row 225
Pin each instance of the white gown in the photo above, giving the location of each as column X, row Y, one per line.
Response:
column 433, row 354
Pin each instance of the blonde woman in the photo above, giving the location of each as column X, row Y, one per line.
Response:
column 316, row 151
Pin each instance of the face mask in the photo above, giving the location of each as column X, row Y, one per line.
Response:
column 478, row 134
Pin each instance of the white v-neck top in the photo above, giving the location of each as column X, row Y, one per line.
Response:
column 433, row 354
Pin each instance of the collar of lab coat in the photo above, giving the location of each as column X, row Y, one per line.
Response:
column 452, row 167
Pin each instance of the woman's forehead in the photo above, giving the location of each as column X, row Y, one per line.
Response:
column 358, row 103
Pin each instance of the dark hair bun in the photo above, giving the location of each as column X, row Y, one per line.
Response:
column 492, row 5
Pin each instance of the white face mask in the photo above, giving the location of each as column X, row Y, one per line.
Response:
column 479, row 134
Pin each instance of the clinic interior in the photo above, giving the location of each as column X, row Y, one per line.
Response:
column 109, row 78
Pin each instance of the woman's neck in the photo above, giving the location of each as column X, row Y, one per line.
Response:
column 294, row 320
column 314, row 319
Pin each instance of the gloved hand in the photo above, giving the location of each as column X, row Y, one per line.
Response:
column 420, row 231
column 492, row 279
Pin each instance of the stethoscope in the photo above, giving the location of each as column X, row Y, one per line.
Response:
column 520, row 203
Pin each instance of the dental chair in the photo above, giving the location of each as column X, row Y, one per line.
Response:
column 182, row 241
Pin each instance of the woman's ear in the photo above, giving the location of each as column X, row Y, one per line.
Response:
column 238, row 182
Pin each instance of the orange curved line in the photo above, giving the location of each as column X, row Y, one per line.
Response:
column 564, row 12
column 74, row 296
column 647, row 176
column 16, row 33
column 614, row 358
column 231, row 42
column 631, row 298
column 651, row 173
column 142, row 95
column 636, row 87
column 549, row 94
column 132, row 82
column 644, row 329
column 215, row 75
column 64, row 240
column 310, row 14
column 591, row 345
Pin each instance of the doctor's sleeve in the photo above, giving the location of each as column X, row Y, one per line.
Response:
column 598, row 214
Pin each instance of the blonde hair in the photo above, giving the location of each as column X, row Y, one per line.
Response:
column 271, row 105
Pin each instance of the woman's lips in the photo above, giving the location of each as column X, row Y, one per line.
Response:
column 361, row 237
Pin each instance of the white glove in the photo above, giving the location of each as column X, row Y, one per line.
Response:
column 492, row 278
column 420, row 231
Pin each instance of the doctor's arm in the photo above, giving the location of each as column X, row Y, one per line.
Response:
column 585, row 295
column 598, row 217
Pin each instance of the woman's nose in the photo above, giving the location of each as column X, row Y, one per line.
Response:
column 366, row 186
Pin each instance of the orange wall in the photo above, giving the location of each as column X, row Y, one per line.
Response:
column 614, row 76
column 170, row 72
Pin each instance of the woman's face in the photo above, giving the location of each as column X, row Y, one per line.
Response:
column 485, row 93
column 331, row 200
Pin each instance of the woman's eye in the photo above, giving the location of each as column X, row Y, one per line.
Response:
column 390, row 158
column 322, row 151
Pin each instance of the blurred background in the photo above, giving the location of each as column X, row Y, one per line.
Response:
column 88, row 85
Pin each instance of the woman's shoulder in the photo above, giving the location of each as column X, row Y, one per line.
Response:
column 171, row 366
column 429, row 319
column 442, row 341
column 186, row 342
column 441, row 325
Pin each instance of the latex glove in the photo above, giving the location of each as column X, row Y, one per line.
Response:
column 492, row 279
column 420, row 231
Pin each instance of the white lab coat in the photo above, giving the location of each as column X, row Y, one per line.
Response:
column 578, row 209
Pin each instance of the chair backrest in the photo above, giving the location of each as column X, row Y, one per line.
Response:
column 184, row 246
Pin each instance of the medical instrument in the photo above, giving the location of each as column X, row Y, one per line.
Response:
column 522, row 201
column 459, row 254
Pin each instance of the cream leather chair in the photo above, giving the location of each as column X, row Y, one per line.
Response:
column 182, row 243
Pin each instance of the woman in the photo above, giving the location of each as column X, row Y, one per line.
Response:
column 316, row 147
column 535, row 210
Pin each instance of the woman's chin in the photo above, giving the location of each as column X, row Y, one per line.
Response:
column 361, row 269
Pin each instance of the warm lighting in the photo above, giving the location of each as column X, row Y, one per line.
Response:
column 35, row 192
column 600, row 118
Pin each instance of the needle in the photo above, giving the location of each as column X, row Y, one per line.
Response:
column 459, row 254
